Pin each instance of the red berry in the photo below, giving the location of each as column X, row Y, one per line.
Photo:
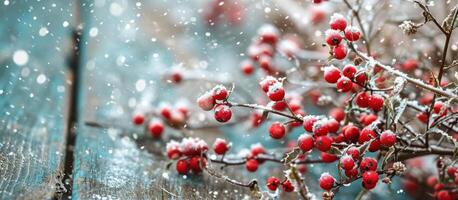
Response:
column 176, row 76
column 173, row 150
column 375, row 145
column 251, row 165
column 287, row 186
column 337, row 113
column 223, row 113
column 333, row 37
column 220, row 146
column 165, row 112
column 338, row 22
column 267, row 82
column 320, row 128
column 438, row 186
column 431, row 181
column 220, row 93
column 423, row 117
column 247, row 67
column 206, row 101
column 339, row 52
column 351, row 173
column 308, row 123
column 410, row 64
column 438, row 108
column 182, row 167
column 388, row 138
column 277, row 130
column 138, row 119
column 197, row 164
column 276, row 92
column 444, row 195
column 368, row 164
column 328, row 158
column 156, row 128
column 353, row 152
column 352, row 33
column 279, row 105
column 362, row 99
column 344, row 84
column 265, row 62
column 331, row 74
column 366, row 120
column 451, row 171
column 273, row 183
column 305, row 142
column 361, row 78
column 370, row 179
column 349, row 71
column 323, row 143
column 376, row 102
column 366, row 135
column 268, row 34
column 326, row 181
column 347, row 162
column 333, row 125
column 351, row 133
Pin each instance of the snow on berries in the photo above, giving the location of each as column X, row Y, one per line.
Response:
column 352, row 33
column 338, row 22
column 333, row 37
column 190, row 151
column 277, row 130
column 331, row 74
column 388, row 138
column 223, row 113
column 370, row 179
column 305, row 142
column 273, row 183
column 220, row 146
column 156, row 128
column 326, row 181
column 206, row 101
column 339, row 52
column 344, row 84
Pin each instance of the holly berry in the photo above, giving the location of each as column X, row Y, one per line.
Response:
column 328, row 158
column 308, row 123
column 331, row 74
column 220, row 93
column 156, row 128
column 344, row 84
column 338, row 22
column 206, row 101
column 376, row 102
column 277, row 130
column 323, row 143
column 352, row 33
column 223, row 113
column 362, row 99
column 138, row 119
column 220, row 146
column 349, row 71
column 368, row 164
column 347, row 162
column 287, row 186
column 333, row 37
column 320, row 128
column 197, row 164
column 370, row 179
column 351, row 133
column 388, row 138
column 305, row 142
column 273, row 183
column 267, row 82
column 326, row 181
column 252, row 165
column 247, row 67
column 276, row 92
column 182, row 167
column 366, row 135
column 339, row 52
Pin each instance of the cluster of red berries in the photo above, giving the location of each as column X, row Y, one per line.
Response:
column 273, row 183
column 253, row 162
column 263, row 48
column 190, row 153
column 338, row 32
column 216, row 99
column 174, row 116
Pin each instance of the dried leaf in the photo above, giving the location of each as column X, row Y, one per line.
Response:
column 399, row 108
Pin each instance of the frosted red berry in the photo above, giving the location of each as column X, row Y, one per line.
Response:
column 337, row 113
column 370, row 179
column 339, row 52
column 376, row 102
column 352, row 33
column 252, row 165
column 206, row 101
column 197, row 164
column 276, row 92
column 333, row 37
column 277, row 130
column 326, row 181
column 353, row 152
column 268, row 34
column 220, row 92
column 338, row 22
column 247, row 67
column 333, row 125
column 368, row 164
column 323, row 143
column 273, row 183
column 267, row 82
column 156, row 128
column 328, row 158
column 351, row 133
column 320, row 128
column 344, row 84
column 362, row 99
column 366, row 135
column 388, row 138
column 361, row 78
column 182, row 167
column 308, row 123
column 220, row 146
column 438, row 108
column 305, row 142
column 223, row 113
column 347, row 162
column 349, row 71
column 331, row 74
column 287, row 186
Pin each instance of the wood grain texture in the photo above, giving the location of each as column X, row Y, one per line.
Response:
column 31, row 136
